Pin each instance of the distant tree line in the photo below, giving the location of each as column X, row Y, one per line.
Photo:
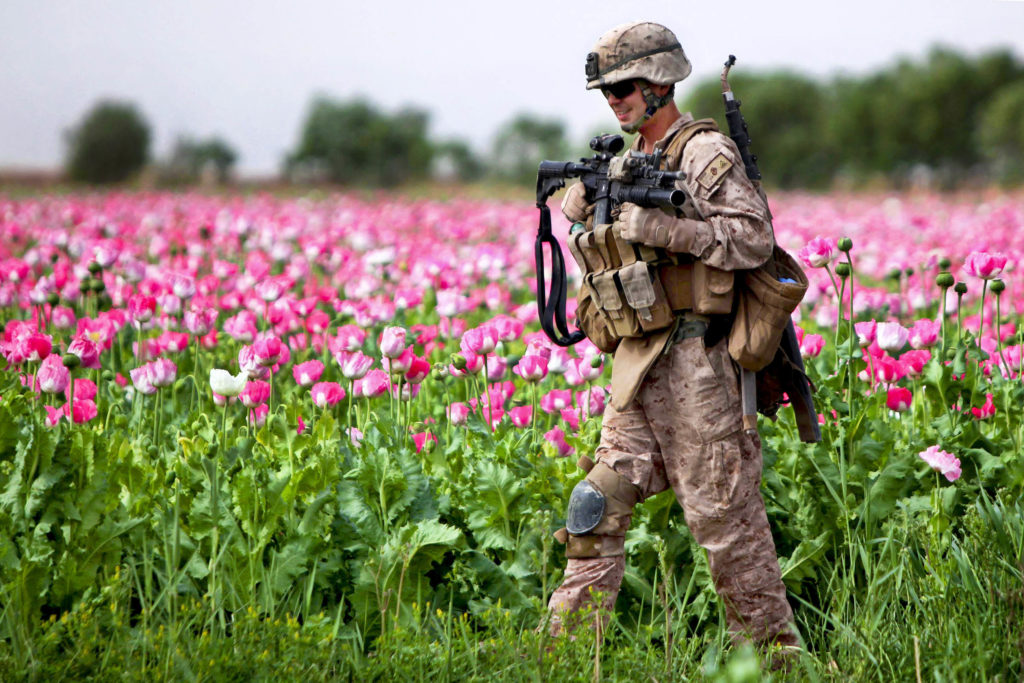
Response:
column 947, row 118
column 944, row 119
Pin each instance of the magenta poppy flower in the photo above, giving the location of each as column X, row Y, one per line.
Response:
column 268, row 351
column 34, row 346
column 200, row 320
column 985, row 411
column 418, row 370
column 142, row 308
column 142, row 379
column 865, row 332
column 421, row 439
column 555, row 400
column 62, row 317
column 83, row 411
column 812, row 345
column 254, row 393
column 913, row 362
column 84, row 389
column 898, row 399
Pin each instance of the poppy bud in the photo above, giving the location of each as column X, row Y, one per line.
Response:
column 960, row 288
column 843, row 270
column 944, row 280
column 845, row 244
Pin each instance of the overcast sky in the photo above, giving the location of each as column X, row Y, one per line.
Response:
column 247, row 70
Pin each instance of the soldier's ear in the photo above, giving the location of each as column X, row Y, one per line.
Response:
column 660, row 90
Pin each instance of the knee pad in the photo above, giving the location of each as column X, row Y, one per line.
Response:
column 600, row 508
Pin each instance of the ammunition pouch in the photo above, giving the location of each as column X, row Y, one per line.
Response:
column 628, row 290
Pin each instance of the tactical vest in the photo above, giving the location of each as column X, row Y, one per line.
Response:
column 629, row 289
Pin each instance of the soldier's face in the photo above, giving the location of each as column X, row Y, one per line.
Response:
column 627, row 108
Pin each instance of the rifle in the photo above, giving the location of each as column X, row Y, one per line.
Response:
column 609, row 181
column 788, row 364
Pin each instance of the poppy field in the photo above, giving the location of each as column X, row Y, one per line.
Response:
column 266, row 437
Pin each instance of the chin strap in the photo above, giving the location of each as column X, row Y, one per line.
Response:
column 654, row 103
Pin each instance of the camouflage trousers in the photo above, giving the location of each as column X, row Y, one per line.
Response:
column 683, row 430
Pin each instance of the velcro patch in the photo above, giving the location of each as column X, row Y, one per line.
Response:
column 713, row 173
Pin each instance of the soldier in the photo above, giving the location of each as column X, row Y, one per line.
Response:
column 675, row 416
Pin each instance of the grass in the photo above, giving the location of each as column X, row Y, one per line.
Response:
column 892, row 609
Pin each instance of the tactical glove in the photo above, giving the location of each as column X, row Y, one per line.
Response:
column 655, row 228
column 574, row 204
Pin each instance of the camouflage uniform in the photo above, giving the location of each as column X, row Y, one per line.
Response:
column 675, row 421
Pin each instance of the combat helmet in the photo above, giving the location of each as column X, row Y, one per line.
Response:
column 641, row 49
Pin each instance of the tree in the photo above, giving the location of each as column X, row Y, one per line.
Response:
column 525, row 141
column 786, row 115
column 191, row 159
column 455, row 160
column 1000, row 133
column 353, row 143
column 109, row 145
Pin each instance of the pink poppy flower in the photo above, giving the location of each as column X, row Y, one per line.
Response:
column 479, row 340
column 556, row 437
column 254, row 393
column 865, row 332
column 326, row 394
column 306, row 374
column 162, row 372
column 532, row 368
column 200, row 320
column 984, row 265
column 354, row 364
column 812, row 345
column 52, row 377
column 939, row 460
column 924, row 333
column 375, row 383
column 393, row 342
column 817, row 253
column 521, row 415
column 457, row 413
column 891, row 336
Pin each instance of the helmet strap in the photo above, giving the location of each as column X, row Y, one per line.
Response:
column 653, row 102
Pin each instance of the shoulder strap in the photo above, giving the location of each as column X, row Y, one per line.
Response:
column 674, row 148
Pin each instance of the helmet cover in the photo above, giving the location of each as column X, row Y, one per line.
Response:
column 641, row 49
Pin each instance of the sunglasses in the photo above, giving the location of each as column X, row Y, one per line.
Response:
column 621, row 90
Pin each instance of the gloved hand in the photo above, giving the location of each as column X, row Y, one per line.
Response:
column 655, row 228
column 574, row 204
